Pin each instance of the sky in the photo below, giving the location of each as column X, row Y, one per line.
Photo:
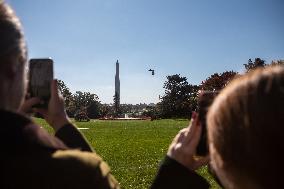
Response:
column 194, row 38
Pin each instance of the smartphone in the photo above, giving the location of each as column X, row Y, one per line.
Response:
column 40, row 78
column 205, row 100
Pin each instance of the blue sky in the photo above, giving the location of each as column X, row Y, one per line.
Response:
column 194, row 38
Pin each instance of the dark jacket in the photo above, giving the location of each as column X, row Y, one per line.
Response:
column 175, row 176
column 31, row 158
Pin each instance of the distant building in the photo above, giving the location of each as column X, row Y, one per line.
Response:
column 117, row 88
column 152, row 104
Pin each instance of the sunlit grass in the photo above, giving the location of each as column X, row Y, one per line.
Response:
column 133, row 149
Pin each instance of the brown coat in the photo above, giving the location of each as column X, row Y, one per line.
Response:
column 31, row 158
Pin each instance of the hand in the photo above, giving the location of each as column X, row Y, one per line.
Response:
column 55, row 115
column 28, row 104
column 184, row 145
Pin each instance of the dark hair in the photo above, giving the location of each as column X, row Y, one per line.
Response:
column 11, row 35
column 246, row 127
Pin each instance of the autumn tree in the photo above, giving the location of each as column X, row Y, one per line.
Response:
column 218, row 81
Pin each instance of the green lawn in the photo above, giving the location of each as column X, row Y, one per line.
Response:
column 133, row 149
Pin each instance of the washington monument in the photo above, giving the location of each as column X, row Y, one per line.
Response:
column 117, row 88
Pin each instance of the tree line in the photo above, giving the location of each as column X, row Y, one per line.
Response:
column 86, row 104
column 80, row 102
column 179, row 99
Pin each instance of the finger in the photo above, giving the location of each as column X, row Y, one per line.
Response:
column 32, row 101
column 28, row 95
column 195, row 138
column 192, row 129
column 202, row 161
column 180, row 136
column 54, row 89
column 41, row 111
column 28, row 104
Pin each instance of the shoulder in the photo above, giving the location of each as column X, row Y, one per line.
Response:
column 87, row 166
column 172, row 174
column 77, row 157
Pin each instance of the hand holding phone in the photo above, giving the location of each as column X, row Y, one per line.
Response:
column 182, row 148
column 205, row 100
column 28, row 104
column 55, row 115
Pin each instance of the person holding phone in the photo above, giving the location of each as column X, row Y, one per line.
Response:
column 245, row 137
column 30, row 157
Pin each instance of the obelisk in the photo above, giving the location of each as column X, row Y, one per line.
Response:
column 117, row 87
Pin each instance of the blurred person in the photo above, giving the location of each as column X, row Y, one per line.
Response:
column 245, row 133
column 30, row 157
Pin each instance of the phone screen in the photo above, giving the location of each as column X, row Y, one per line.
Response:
column 41, row 76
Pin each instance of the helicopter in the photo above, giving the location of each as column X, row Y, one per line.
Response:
column 153, row 71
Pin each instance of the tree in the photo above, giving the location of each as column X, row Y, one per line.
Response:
column 258, row 63
column 106, row 110
column 116, row 104
column 127, row 108
column 81, row 116
column 277, row 62
column 80, row 102
column 93, row 110
column 217, row 81
column 151, row 111
column 180, row 97
column 88, row 101
column 68, row 98
column 84, row 99
column 65, row 91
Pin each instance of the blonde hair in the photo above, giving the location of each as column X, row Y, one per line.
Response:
column 11, row 35
column 245, row 126
column 13, row 58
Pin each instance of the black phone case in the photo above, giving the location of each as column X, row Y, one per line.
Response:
column 41, row 76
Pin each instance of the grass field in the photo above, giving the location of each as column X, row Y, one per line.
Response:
column 133, row 149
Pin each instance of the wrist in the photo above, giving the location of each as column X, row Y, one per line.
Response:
column 60, row 122
column 182, row 159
